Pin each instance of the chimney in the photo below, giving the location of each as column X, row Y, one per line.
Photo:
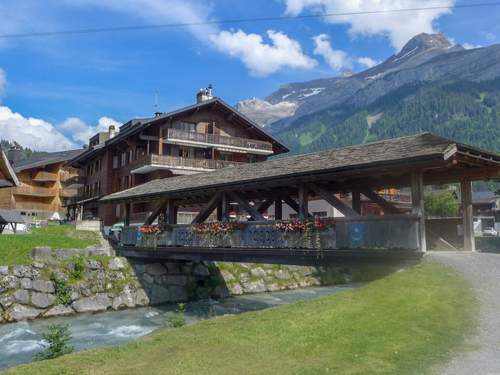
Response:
column 204, row 94
column 158, row 114
column 112, row 131
column 14, row 155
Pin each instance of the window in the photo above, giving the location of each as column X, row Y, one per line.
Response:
column 115, row 162
column 185, row 126
column 124, row 159
column 185, row 152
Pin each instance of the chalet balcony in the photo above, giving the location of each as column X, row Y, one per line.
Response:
column 43, row 176
column 35, row 191
column 372, row 233
column 178, row 165
column 219, row 142
column 68, row 193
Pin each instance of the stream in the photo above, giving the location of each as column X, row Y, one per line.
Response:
column 19, row 342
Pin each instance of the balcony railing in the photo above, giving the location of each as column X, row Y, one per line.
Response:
column 43, row 176
column 236, row 143
column 35, row 191
column 68, row 193
column 381, row 232
column 32, row 206
column 152, row 162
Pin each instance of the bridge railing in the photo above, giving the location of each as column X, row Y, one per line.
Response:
column 370, row 232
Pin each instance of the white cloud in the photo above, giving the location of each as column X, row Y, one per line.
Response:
column 80, row 132
column 263, row 58
column 31, row 132
column 367, row 62
column 471, row 46
column 399, row 27
column 336, row 59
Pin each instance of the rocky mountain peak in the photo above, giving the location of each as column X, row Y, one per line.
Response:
column 424, row 41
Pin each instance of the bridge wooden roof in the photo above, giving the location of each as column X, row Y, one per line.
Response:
column 445, row 161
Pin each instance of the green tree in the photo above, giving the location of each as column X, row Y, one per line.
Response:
column 57, row 338
column 441, row 204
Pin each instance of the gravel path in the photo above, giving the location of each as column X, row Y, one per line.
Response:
column 483, row 271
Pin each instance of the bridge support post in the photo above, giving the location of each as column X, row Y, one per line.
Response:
column 278, row 209
column 467, row 212
column 126, row 220
column 417, row 200
column 303, row 202
column 356, row 201
column 171, row 212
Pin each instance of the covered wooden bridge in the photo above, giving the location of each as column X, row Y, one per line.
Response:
column 412, row 161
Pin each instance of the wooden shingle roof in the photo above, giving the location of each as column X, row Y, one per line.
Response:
column 397, row 151
column 9, row 176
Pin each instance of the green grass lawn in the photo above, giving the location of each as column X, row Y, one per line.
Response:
column 16, row 249
column 405, row 323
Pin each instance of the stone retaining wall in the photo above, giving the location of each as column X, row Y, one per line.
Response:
column 64, row 282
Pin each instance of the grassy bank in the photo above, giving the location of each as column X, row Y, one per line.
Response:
column 405, row 323
column 16, row 249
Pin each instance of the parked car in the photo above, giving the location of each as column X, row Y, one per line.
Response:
column 115, row 231
column 490, row 232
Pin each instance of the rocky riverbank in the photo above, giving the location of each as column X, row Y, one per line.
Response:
column 65, row 282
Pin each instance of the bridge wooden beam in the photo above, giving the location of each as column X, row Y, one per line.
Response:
column 333, row 200
column 159, row 208
column 386, row 206
column 278, row 209
column 171, row 212
column 356, row 201
column 207, row 210
column 467, row 212
column 417, row 200
column 303, row 201
column 252, row 211
column 293, row 204
column 264, row 206
column 126, row 221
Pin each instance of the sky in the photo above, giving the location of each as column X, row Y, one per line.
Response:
column 57, row 91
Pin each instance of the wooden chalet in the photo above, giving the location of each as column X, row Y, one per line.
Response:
column 43, row 185
column 203, row 137
column 412, row 161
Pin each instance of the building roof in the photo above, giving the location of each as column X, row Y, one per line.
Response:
column 137, row 125
column 399, row 152
column 44, row 159
column 10, row 216
column 7, row 170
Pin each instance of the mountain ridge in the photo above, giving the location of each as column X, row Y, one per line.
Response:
column 428, row 64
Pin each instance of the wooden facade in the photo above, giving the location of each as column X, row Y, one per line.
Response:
column 45, row 186
column 204, row 137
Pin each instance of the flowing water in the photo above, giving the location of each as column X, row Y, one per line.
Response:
column 19, row 342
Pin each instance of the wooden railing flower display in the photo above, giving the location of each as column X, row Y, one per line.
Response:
column 307, row 233
column 149, row 235
column 218, row 234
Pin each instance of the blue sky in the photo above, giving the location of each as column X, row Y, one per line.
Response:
column 56, row 91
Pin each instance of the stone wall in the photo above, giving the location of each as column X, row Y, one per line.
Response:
column 64, row 282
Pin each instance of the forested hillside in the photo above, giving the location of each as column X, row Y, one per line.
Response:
column 26, row 153
column 462, row 110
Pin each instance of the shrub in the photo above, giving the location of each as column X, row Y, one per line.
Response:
column 76, row 273
column 57, row 338
column 63, row 290
column 177, row 319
